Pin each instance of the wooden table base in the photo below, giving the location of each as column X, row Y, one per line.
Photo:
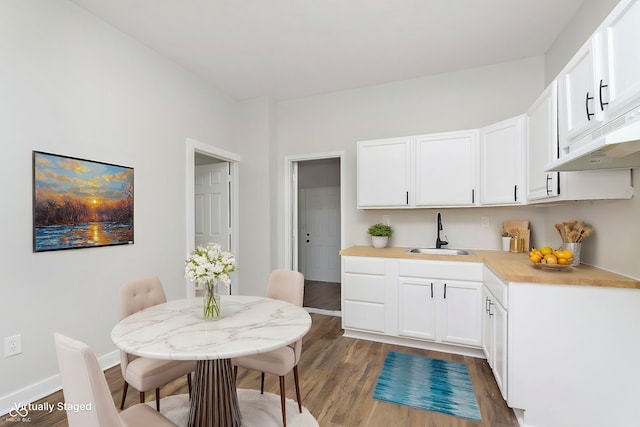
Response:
column 214, row 400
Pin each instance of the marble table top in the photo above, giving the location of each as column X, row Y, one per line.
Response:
column 176, row 329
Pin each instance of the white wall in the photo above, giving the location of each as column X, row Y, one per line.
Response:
column 254, row 138
column 72, row 85
column 454, row 101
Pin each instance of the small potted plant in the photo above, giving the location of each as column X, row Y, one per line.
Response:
column 380, row 234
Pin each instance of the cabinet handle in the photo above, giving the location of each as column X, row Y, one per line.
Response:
column 515, row 193
column 431, row 290
column 445, row 291
column 486, row 304
column 602, row 104
column 407, row 197
column 473, row 195
column 490, row 313
column 549, row 178
column 586, row 105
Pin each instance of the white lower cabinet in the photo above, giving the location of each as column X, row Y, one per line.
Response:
column 446, row 311
column 363, row 294
column 494, row 340
column 427, row 304
column 494, row 326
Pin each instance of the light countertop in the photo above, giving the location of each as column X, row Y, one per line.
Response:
column 511, row 267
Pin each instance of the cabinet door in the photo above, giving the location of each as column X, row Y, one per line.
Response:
column 542, row 145
column 445, row 166
column 620, row 35
column 488, row 343
column 499, row 317
column 383, row 173
column 578, row 94
column 501, row 162
column 417, row 308
column 461, row 313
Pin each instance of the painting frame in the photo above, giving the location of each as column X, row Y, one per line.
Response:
column 80, row 203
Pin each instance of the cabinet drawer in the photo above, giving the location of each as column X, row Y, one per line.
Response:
column 363, row 315
column 496, row 286
column 450, row 270
column 363, row 265
column 362, row 287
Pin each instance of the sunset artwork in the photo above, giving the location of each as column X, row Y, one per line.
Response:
column 80, row 203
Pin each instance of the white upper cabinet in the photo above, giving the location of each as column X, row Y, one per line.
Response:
column 578, row 93
column 602, row 80
column 542, row 145
column 384, row 171
column 619, row 86
column 445, row 169
column 501, row 165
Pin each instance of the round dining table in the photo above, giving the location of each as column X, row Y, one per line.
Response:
column 176, row 330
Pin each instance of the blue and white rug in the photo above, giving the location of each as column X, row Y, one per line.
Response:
column 425, row 383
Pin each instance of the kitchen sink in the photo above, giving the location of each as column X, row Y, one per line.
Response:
column 440, row 251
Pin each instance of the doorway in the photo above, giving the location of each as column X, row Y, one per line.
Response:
column 211, row 202
column 314, row 207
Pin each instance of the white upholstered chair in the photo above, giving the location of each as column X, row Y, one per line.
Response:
column 287, row 286
column 142, row 373
column 83, row 383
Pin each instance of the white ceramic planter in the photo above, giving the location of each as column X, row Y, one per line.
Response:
column 379, row 241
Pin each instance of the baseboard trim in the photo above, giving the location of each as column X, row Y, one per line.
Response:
column 47, row 386
column 425, row 345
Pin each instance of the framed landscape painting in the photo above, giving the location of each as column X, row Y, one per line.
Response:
column 80, row 203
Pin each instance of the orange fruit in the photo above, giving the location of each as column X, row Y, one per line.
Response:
column 535, row 258
column 563, row 261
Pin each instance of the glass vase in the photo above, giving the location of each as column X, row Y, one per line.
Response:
column 211, row 303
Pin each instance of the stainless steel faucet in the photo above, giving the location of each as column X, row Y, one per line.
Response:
column 440, row 243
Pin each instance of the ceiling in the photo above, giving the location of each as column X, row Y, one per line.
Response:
column 293, row 48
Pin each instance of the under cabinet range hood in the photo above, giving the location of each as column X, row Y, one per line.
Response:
column 616, row 145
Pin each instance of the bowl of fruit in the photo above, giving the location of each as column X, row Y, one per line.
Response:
column 551, row 259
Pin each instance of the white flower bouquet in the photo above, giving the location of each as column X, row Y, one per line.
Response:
column 207, row 266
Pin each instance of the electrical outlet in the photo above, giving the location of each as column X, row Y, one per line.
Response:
column 12, row 345
column 484, row 221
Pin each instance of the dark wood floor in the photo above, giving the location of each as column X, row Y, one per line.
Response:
column 338, row 376
column 322, row 295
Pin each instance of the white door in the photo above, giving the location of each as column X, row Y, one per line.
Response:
column 212, row 205
column 320, row 233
